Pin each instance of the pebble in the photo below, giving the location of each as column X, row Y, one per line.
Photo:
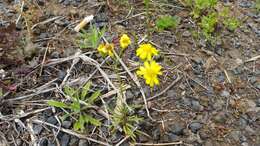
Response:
column 244, row 144
column 221, row 117
column 173, row 137
column 66, row 124
column 19, row 142
column 196, row 105
column 65, row 138
column 37, row 129
column 73, row 141
column 156, row 134
column 195, row 126
column 186, row 34
column 177, row 129
column 52, row 120
column 246, row 4
column 224, row 93
column 83, row 142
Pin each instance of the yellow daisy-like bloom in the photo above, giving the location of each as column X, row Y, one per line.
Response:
column 125, row 41
column 150, row 72
column 106, row 49
column 146, row 51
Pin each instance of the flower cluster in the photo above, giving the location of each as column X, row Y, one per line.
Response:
column 150, row 69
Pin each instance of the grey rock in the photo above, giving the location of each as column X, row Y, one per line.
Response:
column 221, row 117
column 37, row 129
column 171, row 94
column 55, row 55
column 173, row 137
column 52, row 120
column 242, row 122
column 244, row 144
column 65, row 140
column 156, row 134
column 83, row 142
column 177, row 129
column 73, row 141
column 66, row 124
column 242, row 138
column 195, row 126
column 44, row 142
column 142, row 138
column 129, row 94
column 225, row 93
column 19, row 142
column 196, row 105
column 245, row 4
column 235, row 135
column 186, row 34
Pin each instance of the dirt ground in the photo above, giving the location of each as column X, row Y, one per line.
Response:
column 208, row 95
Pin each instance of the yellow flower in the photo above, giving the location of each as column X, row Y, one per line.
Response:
column 106, row 49
column 146, row 51
column 150, row 72
column 125, row 41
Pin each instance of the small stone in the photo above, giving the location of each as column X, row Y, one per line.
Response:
column 37, row 129
column 52, row 120
column 19, row 142
column 44, row 142
column 66, row 124
column 196, row 105
column 61, row 75
column 195, row 126
column 171, row 94
column 65, row 140
column 173, row 137
column 73, row 141
column 177, row 129
column 244, row 144
column 245, row 4
column 55, row 55
column 258, row 102
column 186, row 34
column 129, row 94
column 156, row 134
column 221, row 117
column 83, row 142
column 224, row 93
column 142, row 138
column 242, row 138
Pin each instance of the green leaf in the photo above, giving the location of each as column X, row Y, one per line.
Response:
column 69, row 91
column 93, row 97
column 75, row 106
column 85, row 90
column 92, row 120
column 57, row 104
column 167, row 22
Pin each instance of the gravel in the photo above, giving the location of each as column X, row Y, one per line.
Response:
column 195, row 126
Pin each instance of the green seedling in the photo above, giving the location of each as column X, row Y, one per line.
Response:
column 257, row 5
column 90, row 38
column 199, row 6
column 208, row 24
column 231, row 23
column 167, row 22
column 80, row 101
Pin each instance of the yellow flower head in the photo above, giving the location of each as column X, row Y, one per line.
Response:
column 106, row 49
column 146, row 51
column 125, row 41
column 150, row 72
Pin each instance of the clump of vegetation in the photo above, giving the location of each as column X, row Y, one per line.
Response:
column 208, row 24
column 167, row 22
column 257, row 5
column 77, row 108
column 200, row 6
column 90, row 38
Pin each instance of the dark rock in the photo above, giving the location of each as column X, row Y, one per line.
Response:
column 52, row 120
column 73, row 141
column 142, row 138
column 37, row 129
column 196, row 105
column 55, row 55
column 177, row 129
column 225, row 93
column 40, row 2
column 245, row 4
column 221, row 117
column 64, row 141
column 83, row 142
column 186, row 34
column 242, row 138
column 44, row 142
column 173, row 137
column 156, row 134
column 66, row 124
column 61, row 75
column 195, row 126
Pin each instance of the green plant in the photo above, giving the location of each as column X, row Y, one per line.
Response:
column 208, row 24
column 199, row 6
column 90, row 38
column 257, row 5
column 78, row 105
column 123, row 120
column 231, row 23
column 167, row 22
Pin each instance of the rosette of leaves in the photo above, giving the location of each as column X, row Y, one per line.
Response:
column 81, row 100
